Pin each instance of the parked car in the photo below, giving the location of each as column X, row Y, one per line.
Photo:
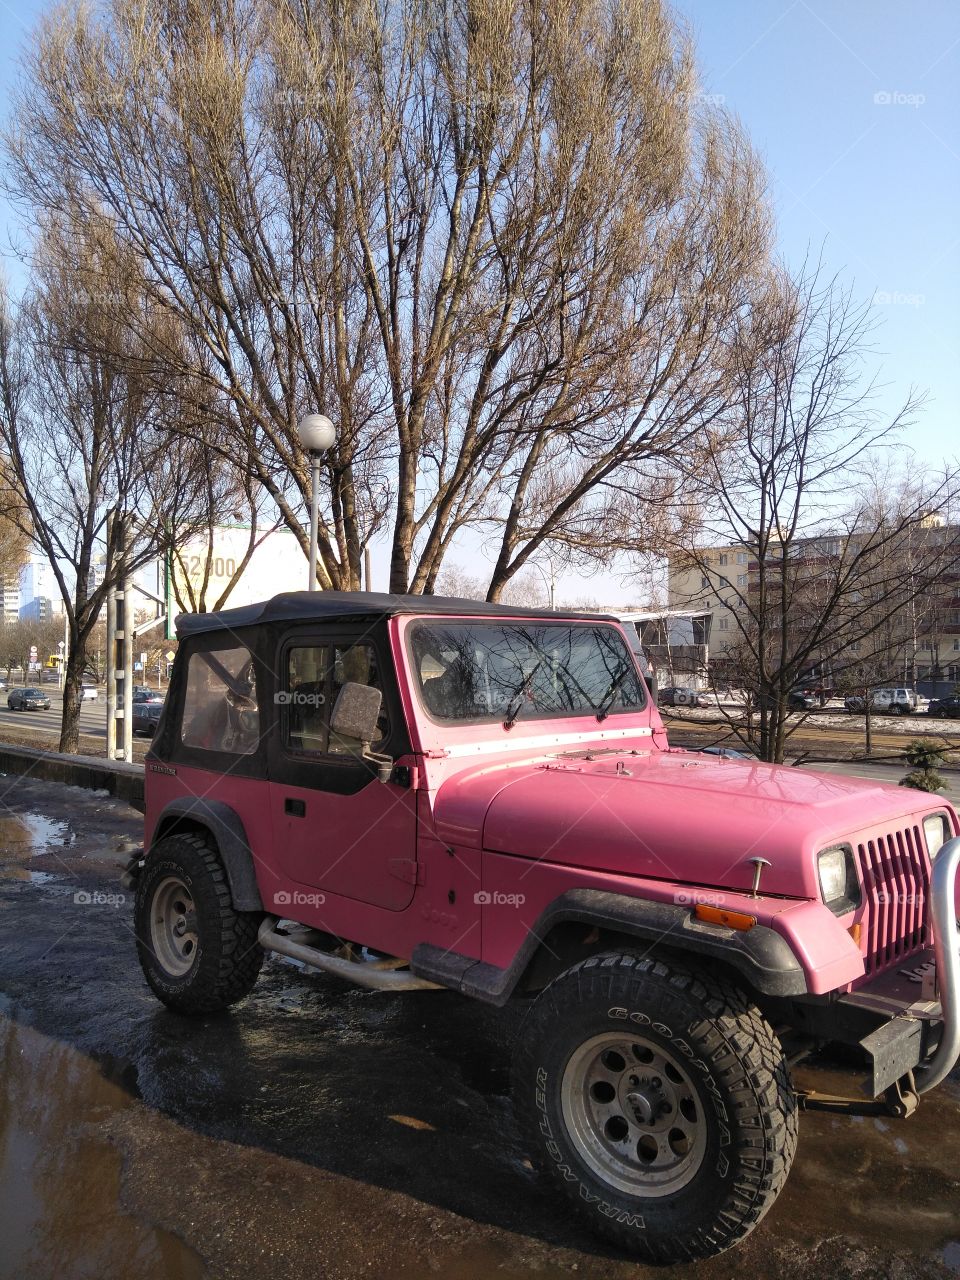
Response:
column 484, row 800
column 803, row 700
column 89, row 693
column 142, row 695
column 945, row 708
column 729, row 753
column 28, row 700
column 896, row 702
column 146, row 716
column 679, row 696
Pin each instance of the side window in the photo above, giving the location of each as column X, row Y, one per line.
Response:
column 313, row 677
column 220, row 706
column 305, row 697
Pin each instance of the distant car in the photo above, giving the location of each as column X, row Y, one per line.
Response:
column 679, row 696
column 727, row 752
column 947, row 708
column 28, row 700
column 803, row 700
column 142, row 694
column 894, row 702
column 89, row 693
column 145, row 717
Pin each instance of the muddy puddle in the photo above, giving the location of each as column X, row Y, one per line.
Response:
column 24, row 836
column 60, row 1207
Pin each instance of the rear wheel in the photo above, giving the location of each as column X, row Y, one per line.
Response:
column 197, row 952
column 657, row 1099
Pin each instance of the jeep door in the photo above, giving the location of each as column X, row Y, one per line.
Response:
column 337, row 828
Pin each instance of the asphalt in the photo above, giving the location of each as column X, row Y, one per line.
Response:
column 318, row 1129
column 889, row 774
column 93, row 716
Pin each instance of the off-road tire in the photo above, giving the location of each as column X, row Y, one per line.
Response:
column 727, row 1052
column 226, row 958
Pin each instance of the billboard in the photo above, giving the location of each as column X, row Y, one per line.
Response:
column 202, row 569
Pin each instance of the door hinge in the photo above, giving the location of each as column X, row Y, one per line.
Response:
column 406, row 869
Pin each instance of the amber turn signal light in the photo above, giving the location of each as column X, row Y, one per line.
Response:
column 717, row 915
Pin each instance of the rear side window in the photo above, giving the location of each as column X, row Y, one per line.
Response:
column 220, row 705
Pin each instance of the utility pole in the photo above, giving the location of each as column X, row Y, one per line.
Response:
column 111, row 645
column 120, row 634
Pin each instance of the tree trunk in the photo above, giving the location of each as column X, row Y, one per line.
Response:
column 72, row 677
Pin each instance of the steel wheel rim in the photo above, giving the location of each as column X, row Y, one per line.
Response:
column 633, row 1114
column 173, row 927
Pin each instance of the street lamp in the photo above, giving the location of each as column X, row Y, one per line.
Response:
column 317, row 434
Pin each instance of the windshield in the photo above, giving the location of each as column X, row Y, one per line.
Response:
column 482, row 672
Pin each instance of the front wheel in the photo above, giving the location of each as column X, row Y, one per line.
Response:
column 198, row 953
column 657, row 1098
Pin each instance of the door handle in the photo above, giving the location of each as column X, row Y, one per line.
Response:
column 296, row 808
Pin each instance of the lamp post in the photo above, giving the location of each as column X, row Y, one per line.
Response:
column 549, row 582
column 317, row 434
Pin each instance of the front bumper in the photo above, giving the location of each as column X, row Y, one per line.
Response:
column 943, row 907
column 916, row 1008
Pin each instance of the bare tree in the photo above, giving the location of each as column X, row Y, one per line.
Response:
column 836, row 549
column 505, row 246
column 14, row 539
column 87, row 431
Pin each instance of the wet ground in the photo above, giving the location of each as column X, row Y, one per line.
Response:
column 326, row 1131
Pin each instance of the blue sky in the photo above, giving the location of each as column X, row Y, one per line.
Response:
column 855, row 107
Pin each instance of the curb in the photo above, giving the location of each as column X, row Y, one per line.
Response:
column 122, row 780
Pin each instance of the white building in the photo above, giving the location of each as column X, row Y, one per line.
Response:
column 39, row 591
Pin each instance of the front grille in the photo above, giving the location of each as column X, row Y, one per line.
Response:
column 896, row 882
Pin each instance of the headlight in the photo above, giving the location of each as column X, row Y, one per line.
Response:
column 936, row 829
column 838, row 880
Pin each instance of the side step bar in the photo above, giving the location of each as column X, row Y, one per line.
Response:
column 365, row 973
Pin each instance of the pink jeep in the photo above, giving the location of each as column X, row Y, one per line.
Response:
column 416, row 793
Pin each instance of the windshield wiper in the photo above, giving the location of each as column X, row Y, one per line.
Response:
column 516, row 699
column 607, row 701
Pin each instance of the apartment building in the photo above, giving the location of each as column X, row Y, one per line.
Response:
column 9, row 597
column 716, row 584
column 919, row 644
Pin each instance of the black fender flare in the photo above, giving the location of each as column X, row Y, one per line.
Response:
column 763, row 957
column 227, row 830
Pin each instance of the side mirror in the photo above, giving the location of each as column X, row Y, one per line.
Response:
column 356, row 711
column 355, row 715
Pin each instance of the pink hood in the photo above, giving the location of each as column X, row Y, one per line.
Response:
column 670, row 815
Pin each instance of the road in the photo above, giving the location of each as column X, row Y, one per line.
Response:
column 318, row 1129
column 888, row 773
column 93, row 716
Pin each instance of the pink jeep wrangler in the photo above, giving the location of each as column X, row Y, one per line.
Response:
column 417, row 793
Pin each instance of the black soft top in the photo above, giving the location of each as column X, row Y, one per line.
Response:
column 359, row 606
